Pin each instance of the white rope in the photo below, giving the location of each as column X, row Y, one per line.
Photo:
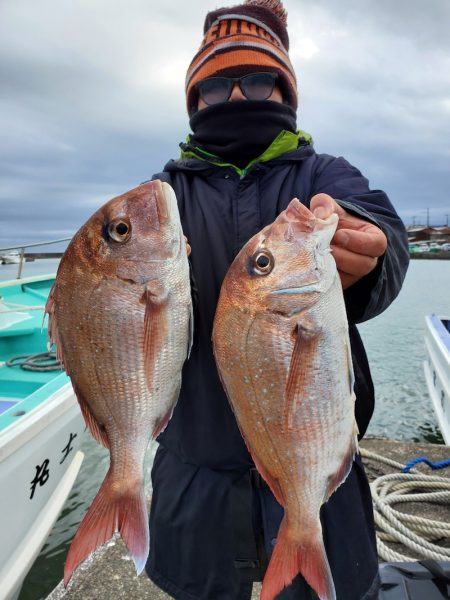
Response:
column 415, row 533
column 19, row 307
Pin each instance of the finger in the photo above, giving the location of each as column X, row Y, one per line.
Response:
column 352, row 263
column 347, row 280
column 369, row 242
column 323, row 205
column 188, row 247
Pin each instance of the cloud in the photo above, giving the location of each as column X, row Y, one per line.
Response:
column 92, row 99
column 375, row 92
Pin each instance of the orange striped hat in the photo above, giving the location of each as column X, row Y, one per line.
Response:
column 244, row 39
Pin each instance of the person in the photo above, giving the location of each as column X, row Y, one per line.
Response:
column 213, row 520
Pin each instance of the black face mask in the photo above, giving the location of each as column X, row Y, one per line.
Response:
column 239, row 131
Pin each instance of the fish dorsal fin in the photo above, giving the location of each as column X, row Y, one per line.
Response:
column 349, row 455
column 53, row 333
column 191, row 330
column 192, row 305
column 351, row 373
column 301, row 365
column 155, row 299
column 97, row 430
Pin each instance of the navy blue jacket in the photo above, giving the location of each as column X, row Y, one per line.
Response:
column 202, row 467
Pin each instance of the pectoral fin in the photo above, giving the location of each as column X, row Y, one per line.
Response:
column 156, row 326
column 300, row 369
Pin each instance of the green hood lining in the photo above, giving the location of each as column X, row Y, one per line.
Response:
column 285, row 142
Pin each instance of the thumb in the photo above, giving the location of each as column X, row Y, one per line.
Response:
column 323, row 205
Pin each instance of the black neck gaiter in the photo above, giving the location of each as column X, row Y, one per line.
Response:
column 239, row 131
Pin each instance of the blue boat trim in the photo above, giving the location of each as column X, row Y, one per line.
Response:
column 6, row 405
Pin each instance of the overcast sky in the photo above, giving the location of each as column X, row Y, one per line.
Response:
column 92, row 99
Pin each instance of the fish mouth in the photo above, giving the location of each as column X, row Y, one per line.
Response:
column 303, row 289
column 328, row 222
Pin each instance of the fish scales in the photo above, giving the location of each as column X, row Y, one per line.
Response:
column 281, row 324
column 120, row 314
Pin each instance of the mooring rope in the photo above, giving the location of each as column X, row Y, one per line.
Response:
column 12, row 307
column 423, row 459
column 415, row 533
column 45, row 361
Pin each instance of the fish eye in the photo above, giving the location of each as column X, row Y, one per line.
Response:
column 263, row 262
column 119, row 230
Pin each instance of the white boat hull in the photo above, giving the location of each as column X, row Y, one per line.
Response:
column 39, row 461
column 10, row 259
column 437, row 372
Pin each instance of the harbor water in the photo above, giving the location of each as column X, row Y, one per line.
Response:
column 395, row 347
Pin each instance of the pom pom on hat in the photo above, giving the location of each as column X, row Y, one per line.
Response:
column 242, row 39
column 274, row 5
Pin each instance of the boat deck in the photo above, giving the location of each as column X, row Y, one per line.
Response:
column 22, row 334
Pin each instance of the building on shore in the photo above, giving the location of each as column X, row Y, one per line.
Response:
column 438, row 235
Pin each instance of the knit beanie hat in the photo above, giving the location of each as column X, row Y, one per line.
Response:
column 248, row 38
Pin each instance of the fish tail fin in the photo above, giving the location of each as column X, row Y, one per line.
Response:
column 291, row 557
column 112, row 510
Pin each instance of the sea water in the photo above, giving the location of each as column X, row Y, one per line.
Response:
column 395, row 348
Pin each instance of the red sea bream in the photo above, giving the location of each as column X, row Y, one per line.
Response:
column 120, row 315
column 283, row 353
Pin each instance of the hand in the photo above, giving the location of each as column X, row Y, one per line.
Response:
column 356, row 245
column 188, row 248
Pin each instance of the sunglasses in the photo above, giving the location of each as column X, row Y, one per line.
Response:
column 255, row 86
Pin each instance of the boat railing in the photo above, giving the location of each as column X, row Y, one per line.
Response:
column 22, row 247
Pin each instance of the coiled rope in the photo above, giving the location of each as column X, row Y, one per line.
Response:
column 418, row 534
column 45, row 361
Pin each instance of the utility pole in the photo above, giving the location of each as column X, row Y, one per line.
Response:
column 446, row 222
column 428, row 217
column 414, row 220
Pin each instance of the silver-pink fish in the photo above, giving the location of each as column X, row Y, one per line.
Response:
column 283, row 353
column 121, row 316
